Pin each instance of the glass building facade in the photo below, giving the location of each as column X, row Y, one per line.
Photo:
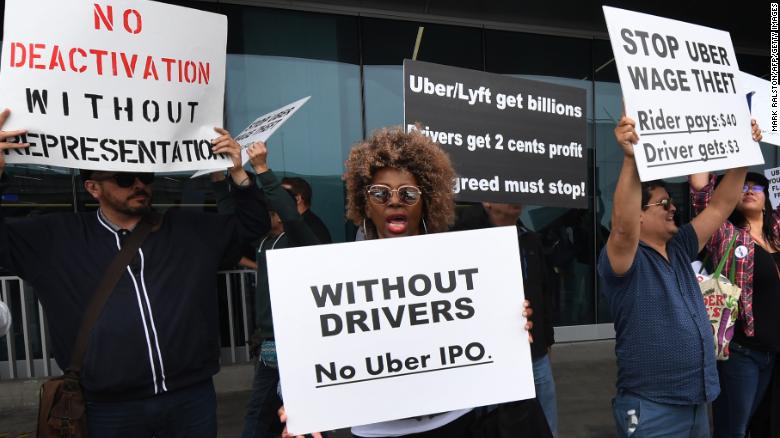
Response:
column 351, row 65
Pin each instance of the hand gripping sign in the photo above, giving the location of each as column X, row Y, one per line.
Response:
column 114, row 84
column 681, row 86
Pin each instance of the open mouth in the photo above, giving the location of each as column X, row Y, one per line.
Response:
column 396, row 223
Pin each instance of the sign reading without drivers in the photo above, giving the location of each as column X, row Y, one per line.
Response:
column 415, row 325
column 680, row 85
column 114, row 85
column 510, row 140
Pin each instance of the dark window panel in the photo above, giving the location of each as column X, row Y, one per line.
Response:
column 604, row 67
column 755, row 65
column 278, row 32
column 389, row 42
column 526, row 53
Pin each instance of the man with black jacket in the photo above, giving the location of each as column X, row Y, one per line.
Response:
column 153, row 351
column 540, row 288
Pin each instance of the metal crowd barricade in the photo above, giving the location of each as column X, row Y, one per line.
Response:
column 25, row 352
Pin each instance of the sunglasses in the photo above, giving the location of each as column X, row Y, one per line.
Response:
column 755, row 188
column 665, row 203
column 126, row 180
column 380, row 194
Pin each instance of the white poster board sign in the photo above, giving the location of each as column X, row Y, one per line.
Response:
column 762, row 107
column 395, row 328
column 262, row 128
column 681, row 86
column 114, row 85
column 773, row 175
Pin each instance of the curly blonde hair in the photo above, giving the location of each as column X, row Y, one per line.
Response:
column 413, row 152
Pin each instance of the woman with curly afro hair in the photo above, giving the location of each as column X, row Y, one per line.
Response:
column 400, row 184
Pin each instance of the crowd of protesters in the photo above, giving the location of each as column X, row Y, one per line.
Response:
column 163, row 310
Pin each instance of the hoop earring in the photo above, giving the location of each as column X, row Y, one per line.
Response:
column 364, row 226
column 425, row 228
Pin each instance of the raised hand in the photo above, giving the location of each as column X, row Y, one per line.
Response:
column 225, row 144
column 626, row 136
column 5, row 135
column 258, row 156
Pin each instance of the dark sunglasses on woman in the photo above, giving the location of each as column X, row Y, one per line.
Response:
column 755, row 188
column 381, row 194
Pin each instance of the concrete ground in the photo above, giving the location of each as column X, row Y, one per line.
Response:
column 584, row 373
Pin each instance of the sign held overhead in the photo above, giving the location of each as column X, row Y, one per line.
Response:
column 510, row 140
column 680, row 85
column 114, row 85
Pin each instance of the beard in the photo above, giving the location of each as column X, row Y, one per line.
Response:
column 131, row 206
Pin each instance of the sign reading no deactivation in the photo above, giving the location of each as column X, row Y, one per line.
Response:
column 399, row 328
column 510, row 140
column 681, row 86
column 114, row 85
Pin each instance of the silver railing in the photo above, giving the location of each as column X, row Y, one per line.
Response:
column 25, row 352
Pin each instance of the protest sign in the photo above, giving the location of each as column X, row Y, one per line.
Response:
column 114, row 85
column 261, row 129
column 773, row 175
column 510, row 140
column 763, row 106
column 680, row 85
column 415, row 325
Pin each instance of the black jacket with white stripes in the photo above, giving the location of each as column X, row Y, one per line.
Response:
column 159, row 329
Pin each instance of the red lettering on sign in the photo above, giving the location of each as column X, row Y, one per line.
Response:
column 18, row 48
column 150, row 69
column 136, row 18
column 102, row 17
column 56, row 59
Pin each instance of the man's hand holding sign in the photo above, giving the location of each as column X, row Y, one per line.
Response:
column 8, row 135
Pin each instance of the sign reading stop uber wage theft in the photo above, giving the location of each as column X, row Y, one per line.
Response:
column 510, row 140
column 114, row 84
column 399, row 328
column 681, row 86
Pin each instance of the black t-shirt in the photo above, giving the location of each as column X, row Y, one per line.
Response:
column 766, row 303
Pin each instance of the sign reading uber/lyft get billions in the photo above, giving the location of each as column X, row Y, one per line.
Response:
column 681, row 85
column 114, row 84
column 510, row 140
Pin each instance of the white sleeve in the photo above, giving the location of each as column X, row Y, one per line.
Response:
column 5, row 319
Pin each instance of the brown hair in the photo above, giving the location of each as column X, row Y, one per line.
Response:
column 413, row 152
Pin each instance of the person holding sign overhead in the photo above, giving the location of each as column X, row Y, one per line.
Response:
column 154, row 347
column 745, row 376
column 664, row 344
column 288, row 229
column 400, row 184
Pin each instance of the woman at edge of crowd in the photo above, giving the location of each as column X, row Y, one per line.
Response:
column 400, row 184
column 745, row 376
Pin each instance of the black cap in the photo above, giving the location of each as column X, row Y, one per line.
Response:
column 757, row 178
column 754, row 177
column 85, row 174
